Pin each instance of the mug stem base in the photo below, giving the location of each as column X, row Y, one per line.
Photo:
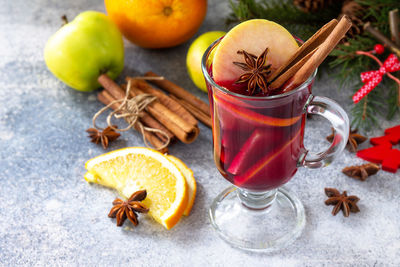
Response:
column 257, row 221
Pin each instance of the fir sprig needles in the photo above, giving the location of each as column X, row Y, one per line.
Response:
column 383, row 100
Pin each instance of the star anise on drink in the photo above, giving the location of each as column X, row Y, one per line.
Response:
column 354, row 139
column 105, row 137
column 341, row 202
column 256, row 71
column 361, row 172
column 127, row 209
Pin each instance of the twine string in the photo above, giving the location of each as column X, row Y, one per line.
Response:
column 130, row 109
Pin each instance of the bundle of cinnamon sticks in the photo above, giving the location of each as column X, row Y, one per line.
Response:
column 175, row 114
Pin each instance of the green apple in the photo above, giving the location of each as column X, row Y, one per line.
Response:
column 195, row 53
column 83, row 49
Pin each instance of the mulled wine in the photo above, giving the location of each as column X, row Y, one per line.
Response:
column 258, row 131
column 258, row 142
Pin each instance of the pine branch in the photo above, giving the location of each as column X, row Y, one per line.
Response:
column 377, row 12
column 366, row 115
column 348, row 64
column 285, row 13
column 383, row 99
column 392, row 102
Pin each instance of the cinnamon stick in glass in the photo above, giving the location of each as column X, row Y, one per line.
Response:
column 164, row 99
column 179, row 92
column 106, row 98
column 303, row 53
column 319, row 55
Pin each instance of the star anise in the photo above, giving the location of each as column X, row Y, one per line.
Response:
column 354, row 140
column 106, row 136
column 127, row 209
column 256, row 71
column 361, row 172
column 341, row 201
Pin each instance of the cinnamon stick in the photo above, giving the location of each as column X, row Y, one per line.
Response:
column 319, row 56
column 164, row 99
column 194, row 111
column 179, row 92
column 118, row 93
column 303, row 53
column 382, row 38
column 106, row 98
column 111, row 86
column 184, row 131
column 281, row 79
column 394, row 21
column 149, row 121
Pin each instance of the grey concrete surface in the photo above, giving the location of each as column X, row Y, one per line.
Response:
column 50, row 216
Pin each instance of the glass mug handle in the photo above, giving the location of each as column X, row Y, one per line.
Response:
column 330, row 110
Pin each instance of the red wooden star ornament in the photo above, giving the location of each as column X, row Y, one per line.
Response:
column 383, row 152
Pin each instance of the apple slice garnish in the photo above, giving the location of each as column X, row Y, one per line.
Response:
column 253, row 36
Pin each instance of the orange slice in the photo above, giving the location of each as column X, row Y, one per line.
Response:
column 253, row 117
column 190, row 181
column 134, row 168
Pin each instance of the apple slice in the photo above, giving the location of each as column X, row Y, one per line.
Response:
column 253, row 36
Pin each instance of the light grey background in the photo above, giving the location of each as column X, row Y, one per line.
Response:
column 51, row 216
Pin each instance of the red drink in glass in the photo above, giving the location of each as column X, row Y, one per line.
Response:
column 258, row 142
column 258, row 146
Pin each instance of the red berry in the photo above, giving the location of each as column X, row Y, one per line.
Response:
column 379, row 49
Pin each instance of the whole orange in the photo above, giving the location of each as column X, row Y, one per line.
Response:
column 157, row 23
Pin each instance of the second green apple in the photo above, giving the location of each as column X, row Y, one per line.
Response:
column 195, row 54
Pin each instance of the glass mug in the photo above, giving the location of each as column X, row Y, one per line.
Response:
column 258, row 147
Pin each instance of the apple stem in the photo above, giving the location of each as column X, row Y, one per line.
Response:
column 64, row 19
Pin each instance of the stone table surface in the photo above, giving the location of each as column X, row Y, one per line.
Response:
column 51, row 216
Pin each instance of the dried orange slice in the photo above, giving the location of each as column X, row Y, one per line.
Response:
column 135, row 168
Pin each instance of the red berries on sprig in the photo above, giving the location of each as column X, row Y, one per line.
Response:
column 379, row 49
